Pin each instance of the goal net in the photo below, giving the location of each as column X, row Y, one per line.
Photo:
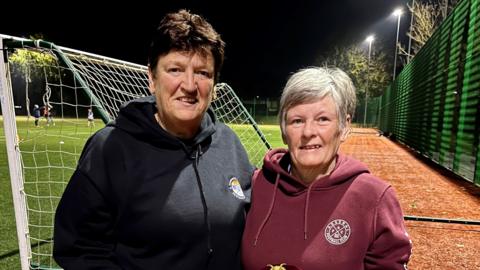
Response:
column 53, row 100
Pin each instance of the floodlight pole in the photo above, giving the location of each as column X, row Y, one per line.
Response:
column 398, row 13
column 369, row 40
column 412, row 15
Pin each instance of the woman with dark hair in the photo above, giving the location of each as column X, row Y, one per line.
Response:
column 165, row 186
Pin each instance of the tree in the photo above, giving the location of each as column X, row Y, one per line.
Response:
column 427, row 16
column 28, row 63
column 446, row 6
column 31, row 69
column 354, row 61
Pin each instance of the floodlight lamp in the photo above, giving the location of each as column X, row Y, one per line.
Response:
column 398, row 12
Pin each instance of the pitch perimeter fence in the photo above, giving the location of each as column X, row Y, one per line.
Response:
column 433, row 106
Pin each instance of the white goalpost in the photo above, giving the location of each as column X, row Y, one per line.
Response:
column 53, row 99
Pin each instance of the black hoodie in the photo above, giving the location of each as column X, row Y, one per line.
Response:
column 141, row 198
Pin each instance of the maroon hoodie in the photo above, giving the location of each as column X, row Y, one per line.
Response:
column 347, row 220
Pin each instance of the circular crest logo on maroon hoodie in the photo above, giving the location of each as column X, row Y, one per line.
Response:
column 337, row 231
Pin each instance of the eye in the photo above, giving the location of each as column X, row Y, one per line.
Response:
column 174, row 70
column 205, row 74
column 295, row 122
column 323, row 120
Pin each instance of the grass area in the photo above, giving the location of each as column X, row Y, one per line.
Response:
column 49, row 156
column 273, row 135
column 8, row 236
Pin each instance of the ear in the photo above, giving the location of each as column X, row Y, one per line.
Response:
column 151, row 83
column 282, row 132
column 346, row 129
column 214, row 91
column 284, row 138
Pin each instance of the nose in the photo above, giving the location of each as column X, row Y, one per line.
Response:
column 189, row 82
column 308, row 130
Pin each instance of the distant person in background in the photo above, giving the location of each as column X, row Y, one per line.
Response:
column 48, row 114
column 90, row 118
column 165, row 186
column 36, row 114
column 313, row 208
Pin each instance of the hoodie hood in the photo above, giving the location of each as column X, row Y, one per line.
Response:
column 277, row 161
column 275, row 170
column 137, row 118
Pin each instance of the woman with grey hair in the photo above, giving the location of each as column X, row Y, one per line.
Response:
column 313, row 208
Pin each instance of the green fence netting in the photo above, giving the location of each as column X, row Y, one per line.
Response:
column 433, row 106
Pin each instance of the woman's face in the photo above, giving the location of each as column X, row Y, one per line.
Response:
column 313, row 135
column 182, row 84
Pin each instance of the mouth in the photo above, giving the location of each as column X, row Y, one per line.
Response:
column 189, row 100
column 310, row 147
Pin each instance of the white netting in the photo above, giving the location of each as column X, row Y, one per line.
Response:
column 65, row 84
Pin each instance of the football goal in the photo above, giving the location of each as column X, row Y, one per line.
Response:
column 53, row 99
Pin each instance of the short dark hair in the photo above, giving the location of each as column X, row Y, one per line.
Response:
column 184, row 31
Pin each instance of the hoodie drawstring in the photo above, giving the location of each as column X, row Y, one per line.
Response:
column 305, row 213
column 270, row 210
column 204, row 202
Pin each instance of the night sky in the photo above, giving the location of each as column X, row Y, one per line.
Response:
column 266, row 40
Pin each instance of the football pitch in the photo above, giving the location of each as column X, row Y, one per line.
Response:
column 49, row 156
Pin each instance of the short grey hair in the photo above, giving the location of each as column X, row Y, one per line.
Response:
column 309, row 84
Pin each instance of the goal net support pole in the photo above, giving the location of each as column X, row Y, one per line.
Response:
column 14, row 160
